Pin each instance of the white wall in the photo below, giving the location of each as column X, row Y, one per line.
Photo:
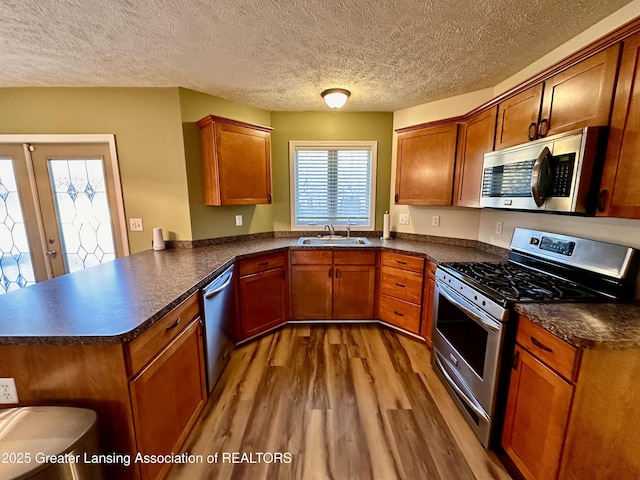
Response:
column 480, row 224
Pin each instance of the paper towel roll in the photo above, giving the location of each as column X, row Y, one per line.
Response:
column 386, row 227
column 158, row 241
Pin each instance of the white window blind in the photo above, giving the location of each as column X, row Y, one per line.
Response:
column 333, row 184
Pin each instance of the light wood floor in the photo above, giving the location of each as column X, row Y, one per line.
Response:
column 346, row 402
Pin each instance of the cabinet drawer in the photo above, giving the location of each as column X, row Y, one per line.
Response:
column 401, row 284
column 556, row 353
column 400, row 313
column 311, row 257
column 431, row 270
column 349, row 257
column 261, row 263
column 406, row 262
column 147, row 345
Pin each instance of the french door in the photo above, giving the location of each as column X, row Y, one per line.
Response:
column 60, row 210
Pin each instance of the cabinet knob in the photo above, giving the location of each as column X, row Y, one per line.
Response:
column 532, row 131
column 543, row 128
column 397, row 198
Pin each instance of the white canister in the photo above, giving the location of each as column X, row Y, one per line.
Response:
column 158, row 241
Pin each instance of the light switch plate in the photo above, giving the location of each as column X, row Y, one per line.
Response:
column 499, row 228
column 435, row 221
column 238, row 220
column 403, row 219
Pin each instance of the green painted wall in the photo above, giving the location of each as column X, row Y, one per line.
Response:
column 339, row 126
column 208, row 221
column 146, row 123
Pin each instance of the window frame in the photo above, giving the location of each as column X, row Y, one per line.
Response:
column 372, row 146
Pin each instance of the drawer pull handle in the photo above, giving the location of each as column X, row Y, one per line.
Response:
column 401, row 262
column 173, row 325
column 400, row 285
column 399, row 314
column 263, row 264
column 516, row 357
column 540, row 345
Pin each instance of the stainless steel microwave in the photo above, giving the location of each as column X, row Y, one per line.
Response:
column 560, row 173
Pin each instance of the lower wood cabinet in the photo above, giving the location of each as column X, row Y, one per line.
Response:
column 167, row 397
column 401, row 285
column 337, row 285
column 263, row 294
column 570, row 412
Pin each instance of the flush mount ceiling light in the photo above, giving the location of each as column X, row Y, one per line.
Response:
column 335, row 97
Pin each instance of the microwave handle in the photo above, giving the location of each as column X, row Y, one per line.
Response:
column 540, row 175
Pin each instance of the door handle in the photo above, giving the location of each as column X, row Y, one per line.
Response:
column 52, row 253
column 531, row 136
column 543, row 132
column 540, row 177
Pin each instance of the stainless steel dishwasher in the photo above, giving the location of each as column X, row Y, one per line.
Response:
column 219, row 322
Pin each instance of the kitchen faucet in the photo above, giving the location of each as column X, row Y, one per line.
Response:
column 331, row 229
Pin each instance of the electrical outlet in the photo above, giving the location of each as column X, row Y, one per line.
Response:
column 238, row 220
column 8, row 392
column 403, row 219
column 499, row 228
column 135, row 225
column 435, row 221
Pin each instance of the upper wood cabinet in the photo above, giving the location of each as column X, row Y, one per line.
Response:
column 619, row 192
column 518, row 118
column 577, row 97
column 426, row 159
column 236, row 158
column 475, row 138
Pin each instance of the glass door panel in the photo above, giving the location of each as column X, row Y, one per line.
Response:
column 16, row 265
column 82, row 212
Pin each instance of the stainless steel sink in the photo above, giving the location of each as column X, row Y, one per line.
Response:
column 333, row 241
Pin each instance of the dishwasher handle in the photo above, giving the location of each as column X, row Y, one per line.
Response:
column 211, row 293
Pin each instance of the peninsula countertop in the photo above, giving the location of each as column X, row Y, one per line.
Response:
column 116, row 301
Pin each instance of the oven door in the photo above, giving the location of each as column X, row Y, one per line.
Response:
column 467, row 345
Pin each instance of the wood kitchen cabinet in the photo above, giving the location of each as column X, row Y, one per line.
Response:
column 337, row 285
column 426, row 325
column 577, row 97
column 425, row 165
column 475, row 138
column 236, row 159
column 619, row 192
column 262, row 300
column 401, row 284
column 569, row 411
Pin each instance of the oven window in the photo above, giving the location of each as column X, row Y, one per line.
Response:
column 464, row 334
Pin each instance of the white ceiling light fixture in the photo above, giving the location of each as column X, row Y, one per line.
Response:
column 335, row 97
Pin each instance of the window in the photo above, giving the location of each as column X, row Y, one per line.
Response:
column 332, row 183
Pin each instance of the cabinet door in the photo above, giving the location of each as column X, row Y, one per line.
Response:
column 536, row 417
column 580, row 96
column 262, row 301
column 424, row 171
column 311, row 287
column 167, row 397
column 476, row 139
column 619, row 192
column 518, row 118
column 353, row 292
column 236, row 160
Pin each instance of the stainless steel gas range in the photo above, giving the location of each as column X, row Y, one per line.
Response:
column 474, row 323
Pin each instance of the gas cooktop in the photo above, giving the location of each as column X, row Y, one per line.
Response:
column 507, row 281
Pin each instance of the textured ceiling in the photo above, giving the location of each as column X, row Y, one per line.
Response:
column 280, row 54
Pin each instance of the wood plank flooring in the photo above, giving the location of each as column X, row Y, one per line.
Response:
column 345, row 402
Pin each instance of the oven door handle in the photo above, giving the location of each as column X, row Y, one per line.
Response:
column 463, row 305
column 470, row 403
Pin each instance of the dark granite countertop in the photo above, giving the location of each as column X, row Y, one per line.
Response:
column 588, row 325
column 117, row 301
